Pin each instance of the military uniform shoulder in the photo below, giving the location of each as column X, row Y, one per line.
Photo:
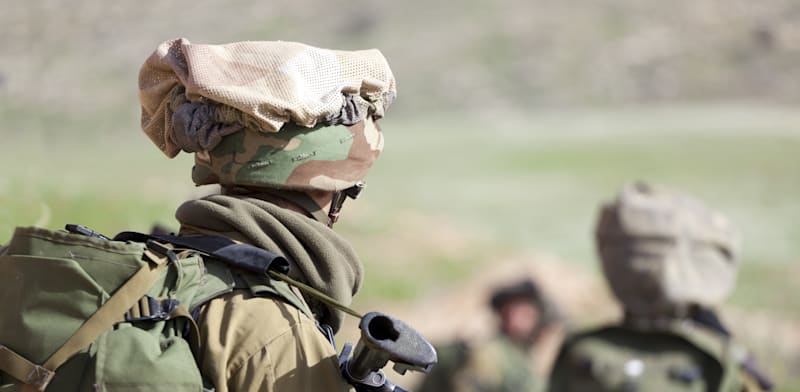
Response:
column 612, row 356
column 708, row 342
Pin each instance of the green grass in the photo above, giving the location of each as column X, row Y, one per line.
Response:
column 453, row 193
column 768, row 283
column 540, row 190
column 526, row 187
column 518, row 184
column 455, row 190
column 59, row 169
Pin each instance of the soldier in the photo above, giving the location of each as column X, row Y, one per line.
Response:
column 668, row 260
column 502, row 362
column 289, row 132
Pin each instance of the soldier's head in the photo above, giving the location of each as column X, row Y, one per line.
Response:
column 282, row 121
column 522, row 311
column 662, row 251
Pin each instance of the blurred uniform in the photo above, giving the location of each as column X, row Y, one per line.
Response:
column 668, row 259
column 503, row 362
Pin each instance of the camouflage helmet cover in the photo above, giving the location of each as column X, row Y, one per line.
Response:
column 660, row 250
column 272, row 114
column 296, row 158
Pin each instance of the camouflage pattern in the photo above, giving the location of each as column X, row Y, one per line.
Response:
column 298, row 158
column 494, row 365
column 281, row 115
column 269, row 83
column 661, row 249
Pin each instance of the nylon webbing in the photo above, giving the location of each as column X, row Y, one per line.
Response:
column 19, row 367
column 111, row 312
column 212, row 244
column 194, row 333
column 315, row 293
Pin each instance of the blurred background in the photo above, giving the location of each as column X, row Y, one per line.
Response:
column 514, row 120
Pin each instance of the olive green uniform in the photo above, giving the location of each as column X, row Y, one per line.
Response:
column 264, row 344
column 269, row 343
column 620, row 358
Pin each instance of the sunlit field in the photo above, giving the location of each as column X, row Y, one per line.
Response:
column 451, row 194
column 514, row 121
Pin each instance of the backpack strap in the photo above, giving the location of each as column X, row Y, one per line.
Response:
column 237, row 255
column 111, row 312
column 24, row 370
column 266, row 270
column 261, row 262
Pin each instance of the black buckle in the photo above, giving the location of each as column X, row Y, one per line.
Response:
column 152, row 309
column 339, row 197
column 354, row 191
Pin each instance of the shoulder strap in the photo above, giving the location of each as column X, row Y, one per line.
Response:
column 244, row 256
column 261, row 263
column 237, row 255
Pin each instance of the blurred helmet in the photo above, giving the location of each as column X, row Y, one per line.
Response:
column 662, row 250
column 525, row 290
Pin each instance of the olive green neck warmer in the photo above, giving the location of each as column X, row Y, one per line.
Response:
column 319, row 257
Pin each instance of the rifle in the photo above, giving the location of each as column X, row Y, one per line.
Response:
column 384, row 339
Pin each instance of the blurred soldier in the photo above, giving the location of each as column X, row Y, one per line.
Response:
column 502, row 363
column 668, row 260
column 289, row 132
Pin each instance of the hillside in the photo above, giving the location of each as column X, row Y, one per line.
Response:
column 471, row 55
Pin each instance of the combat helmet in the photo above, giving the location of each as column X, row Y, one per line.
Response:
column 269, row 115
column 527, row 290
column 662, row 251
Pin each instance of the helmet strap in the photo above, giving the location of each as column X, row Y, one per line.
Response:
column 339, row 198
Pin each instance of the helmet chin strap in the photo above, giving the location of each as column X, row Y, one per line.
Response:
column 339, row 198
column 303, row 200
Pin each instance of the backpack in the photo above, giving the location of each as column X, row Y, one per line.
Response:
column 84, row 313
column 621, row 358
